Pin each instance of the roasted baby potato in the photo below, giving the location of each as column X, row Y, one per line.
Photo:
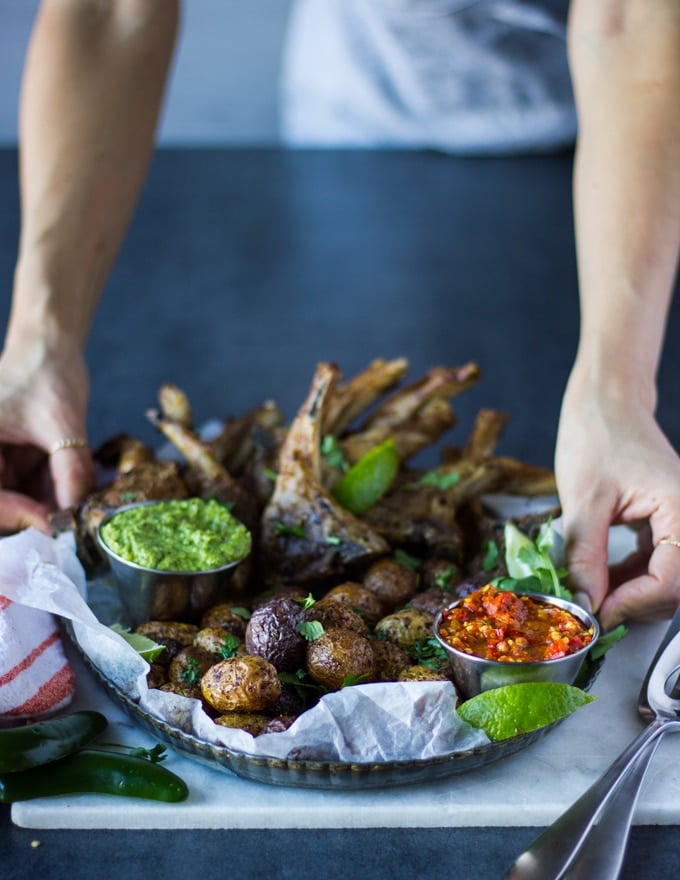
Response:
column 189, row 665
column 273, row 633
column 360, row 598
column 224, row 616
column 332, row 614
column 340, row 657
column 405, row 627
column 422, row 673
column 219, row 642
column 241, row 684
column 432, row 601
column 248, row 721
column 392, row 583
column 389, row 659
column 174, row 634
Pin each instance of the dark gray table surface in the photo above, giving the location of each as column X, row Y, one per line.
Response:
column 241, row 270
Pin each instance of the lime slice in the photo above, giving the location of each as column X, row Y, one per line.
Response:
column 146, row 648
column 519, row 708
column 368, row 480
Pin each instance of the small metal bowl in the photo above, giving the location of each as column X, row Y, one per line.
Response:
column 473, row 675
column 155, row 594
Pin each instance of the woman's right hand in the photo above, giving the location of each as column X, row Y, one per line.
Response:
column 43, row 400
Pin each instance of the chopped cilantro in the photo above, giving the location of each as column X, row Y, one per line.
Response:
column 428, row 652
column 491, row 553
column 445, row 578
column 229, row 646
column 350, row 680
column 310, row 629
column 332, row 453
column 442, row 480
column 191, row 674
column 241, row 612
column 403, row 558
column 295, row 531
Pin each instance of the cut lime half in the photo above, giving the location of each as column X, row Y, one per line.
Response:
column 145, row 647
column 520, row 708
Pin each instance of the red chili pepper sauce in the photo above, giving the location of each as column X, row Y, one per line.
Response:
column 504, row 626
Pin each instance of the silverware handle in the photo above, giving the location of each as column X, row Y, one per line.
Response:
column 602, row 853
column 553, row 851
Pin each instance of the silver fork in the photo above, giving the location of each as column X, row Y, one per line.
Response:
column 589, row 839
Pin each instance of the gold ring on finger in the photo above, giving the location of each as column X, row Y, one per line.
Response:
column 67, row 443
column 668, row 541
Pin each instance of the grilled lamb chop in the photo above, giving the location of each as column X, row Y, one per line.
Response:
column 307, row 537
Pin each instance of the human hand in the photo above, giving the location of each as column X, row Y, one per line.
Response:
column 614, row 465
column 43, row 400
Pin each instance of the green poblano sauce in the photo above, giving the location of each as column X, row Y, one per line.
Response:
column 194, row 534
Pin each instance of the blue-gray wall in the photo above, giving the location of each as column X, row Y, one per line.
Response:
column 224, row 81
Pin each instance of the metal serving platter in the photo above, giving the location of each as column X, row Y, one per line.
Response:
column 334, row 775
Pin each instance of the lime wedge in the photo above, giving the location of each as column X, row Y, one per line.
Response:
column 368, row 480
column 146, row 648
column 519, row 708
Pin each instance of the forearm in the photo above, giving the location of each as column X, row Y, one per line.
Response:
column 92, row 91
column 626, row 71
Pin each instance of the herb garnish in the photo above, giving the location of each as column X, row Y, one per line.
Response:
column 230, row 646
column 333, row 454
column 295, row 531
column 310, row 629
column 191, row 674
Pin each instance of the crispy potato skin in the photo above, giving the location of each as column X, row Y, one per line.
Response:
column 392, row 583
column 219, row 642
column 251, row 722
column 332, row 614
column 360, row 598
column 175, row 635
column 189, row 665
column 405, row 627
column 255, row 724
column 272, row 633
column 390, row 660
column 223, row 616
column 422, row 673
column 241, row 684
column 337, row 655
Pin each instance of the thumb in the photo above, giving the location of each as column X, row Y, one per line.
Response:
column 72, row 473
column 18, row 512
column 586, row 534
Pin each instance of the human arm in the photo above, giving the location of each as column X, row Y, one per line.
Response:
column 613, row 462
column 92, row 90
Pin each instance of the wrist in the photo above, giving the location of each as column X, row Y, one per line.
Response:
column 627, row 380
column 45, row 320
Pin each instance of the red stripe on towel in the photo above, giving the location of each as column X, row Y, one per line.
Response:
column 4, row 602
column 29, row 659
column 48, row 697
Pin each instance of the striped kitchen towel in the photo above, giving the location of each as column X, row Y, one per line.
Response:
column 35, row 676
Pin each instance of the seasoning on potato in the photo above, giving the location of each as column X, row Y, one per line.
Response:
column 241, row 684
column 340, row 657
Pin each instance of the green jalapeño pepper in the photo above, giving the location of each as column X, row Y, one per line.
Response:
column 22, row 748
column 95, row 771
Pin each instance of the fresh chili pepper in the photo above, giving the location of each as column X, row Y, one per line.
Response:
column 95, row 771
column 22, row 748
